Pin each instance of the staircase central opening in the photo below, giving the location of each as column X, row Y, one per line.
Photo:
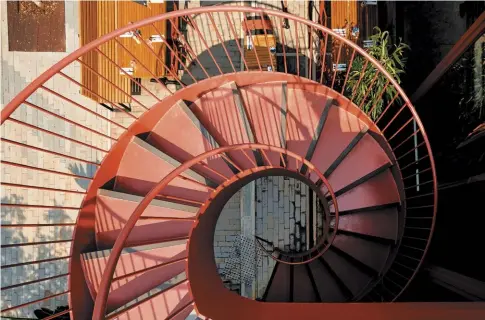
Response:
column 275, row 215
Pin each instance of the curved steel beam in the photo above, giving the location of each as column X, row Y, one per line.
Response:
column 104, row 287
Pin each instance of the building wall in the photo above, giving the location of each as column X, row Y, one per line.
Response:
column 281, row 218
column 227, row 233
column 18, row 69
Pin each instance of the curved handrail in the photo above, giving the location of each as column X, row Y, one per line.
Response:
column 104, row 287
column 300, row 255
column 7, row 111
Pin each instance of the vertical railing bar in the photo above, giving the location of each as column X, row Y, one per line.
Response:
column 94, row 93
column 409, row 151
column 421, row 171
column 400, row 129
column 404, row 141
column 395, row 116
column 111, row 83
column 253, row 44
column 310, row 68
column 230, row 161
column 35, row 301
column 336, row 64
column 248, row 157
column 402, row 265
column 202, row 184
column 55, row 134
column 379, row 98
column 266, row 39
column 33, row 262
column 196, row 28
column 423, row 157
column 218, row 35
column 34, row 281
column 297, row 48
column 97, row 95
column 174, row 53
column 387, row 107
column 212, row 170
column 187, row 45
column 265, row 156
column 49, row 151
column 369, row 89
column 83, row 107
column 44, row 170
column 168, row 197
column 231, row 26
column 156, row 266
column 35, row 225
column 25, row 244
column 348, row 71
column 138, row 62
column 360, row 79
column 283, row 44
column 324, row 58
column 124, row 311
column 52, row 317
column 67, row 120
column 158, row 59
column 127, row 74
column 283, row 160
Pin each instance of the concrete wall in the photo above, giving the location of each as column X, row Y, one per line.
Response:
column 18, row 69
column 281, row 218
column 228, row 230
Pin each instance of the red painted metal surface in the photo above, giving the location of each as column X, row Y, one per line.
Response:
column 145, row 282
column 103, row 293
column 471, row 35
column 131, row 264
column 134, row 178
column 112, row 213
column 166, row 304
column 189, row 142
column 85, row 224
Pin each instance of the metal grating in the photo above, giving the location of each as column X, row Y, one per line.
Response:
column 243, row 260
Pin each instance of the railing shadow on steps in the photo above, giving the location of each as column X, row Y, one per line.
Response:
column 395, row 121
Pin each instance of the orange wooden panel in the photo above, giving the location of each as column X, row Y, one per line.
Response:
column 97, row 19
column 344, row 14
column 261, row 43
column 128, row 11
column 101, row 17
column 342, row 11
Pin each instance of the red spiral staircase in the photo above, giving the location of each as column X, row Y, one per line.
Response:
column 143, row 242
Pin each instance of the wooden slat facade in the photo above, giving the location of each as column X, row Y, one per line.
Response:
column 344, row 14
column 261, row 43
column 261, row 47
column 101, row 17
column 342, row 11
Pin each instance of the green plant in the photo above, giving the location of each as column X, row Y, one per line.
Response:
column 391, row 57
